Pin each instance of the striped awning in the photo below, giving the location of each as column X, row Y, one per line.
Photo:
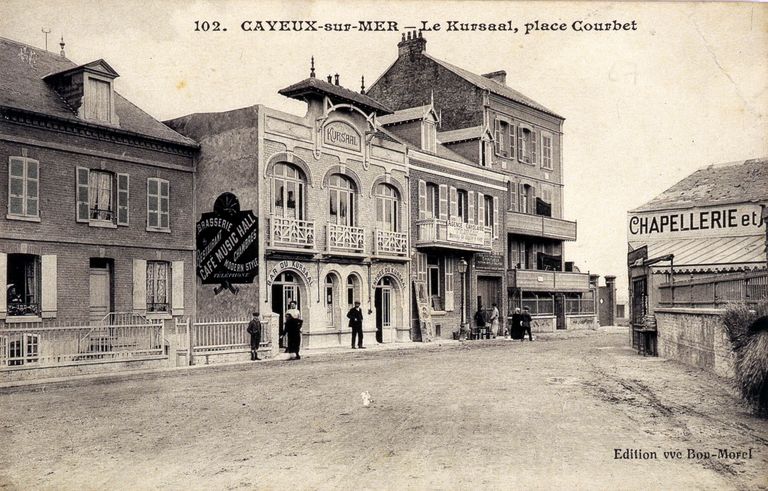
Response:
column 709, row 254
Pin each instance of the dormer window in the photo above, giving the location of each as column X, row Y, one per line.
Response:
column 98, row 99
column 429, row 134
column 89, row 90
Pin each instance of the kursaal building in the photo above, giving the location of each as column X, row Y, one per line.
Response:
column 432, row 195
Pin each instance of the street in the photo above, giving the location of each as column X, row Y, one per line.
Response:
column 581, row 411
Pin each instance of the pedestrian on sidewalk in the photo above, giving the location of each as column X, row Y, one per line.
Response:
column 526, row 321
column 355, row 316
column 494, row 320
column 516, row 325
column 480, row 321
column 293, row 323
column 254, row 329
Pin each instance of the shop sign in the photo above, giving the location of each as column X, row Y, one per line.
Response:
column 465, row 233
column 341, row 134
column 295, row 266
column 712, row 221
column 487, row 260
column 388, row 271
column 227, row 244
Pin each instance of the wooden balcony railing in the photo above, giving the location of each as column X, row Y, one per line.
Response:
column 387, row 243
column 345, row 238
column 540, row 226
column 456, row 235
column 291, row 233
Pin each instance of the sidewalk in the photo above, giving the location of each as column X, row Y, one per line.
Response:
column 329, row 353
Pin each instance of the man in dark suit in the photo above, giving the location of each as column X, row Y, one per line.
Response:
column 355, row 316
column 254, row 329
column 526, row 321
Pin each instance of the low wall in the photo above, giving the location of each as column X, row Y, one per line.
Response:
column 695, row 337
column 32, row 372
column 577, row 322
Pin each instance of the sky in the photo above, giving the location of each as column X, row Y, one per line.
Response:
column 644, row 108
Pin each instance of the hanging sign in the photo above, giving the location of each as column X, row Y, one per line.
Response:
column 227, row 244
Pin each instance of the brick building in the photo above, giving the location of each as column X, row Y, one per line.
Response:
column 94, row 203
column 515, row 145
column 330, row 193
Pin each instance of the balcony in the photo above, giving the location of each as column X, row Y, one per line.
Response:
column 291, row 235
column 390, row 244
column 344, row 239
column 539, row 280
column 453, row 235
column 540, row 226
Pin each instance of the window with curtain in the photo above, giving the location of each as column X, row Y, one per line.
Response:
column 98, row 100
column 100, row 195
column 157, row 286
column 288, row 183
column 341, row 191
column 387, row 207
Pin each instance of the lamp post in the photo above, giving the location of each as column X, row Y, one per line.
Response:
column 462, row 266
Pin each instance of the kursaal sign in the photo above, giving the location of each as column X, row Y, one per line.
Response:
column 227, row 244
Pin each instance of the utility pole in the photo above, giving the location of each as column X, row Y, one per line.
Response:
column 46, row 31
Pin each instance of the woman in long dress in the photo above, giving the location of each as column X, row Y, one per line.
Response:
column 293, row 324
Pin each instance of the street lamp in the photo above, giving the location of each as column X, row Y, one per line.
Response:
column 462, row 266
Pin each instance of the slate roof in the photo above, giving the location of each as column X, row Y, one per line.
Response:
column 404, row 115
column 733, row 182
column 22, row 87
column 337, row 93
column 709, row 254
column 462, row 134
column 441, row 151
column 493, row 86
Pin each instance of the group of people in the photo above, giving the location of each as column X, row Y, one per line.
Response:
column 292, row 330
column 521, row 325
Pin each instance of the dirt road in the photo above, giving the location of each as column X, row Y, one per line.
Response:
column 551, row 414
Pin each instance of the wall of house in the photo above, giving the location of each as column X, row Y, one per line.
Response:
column 695, row 337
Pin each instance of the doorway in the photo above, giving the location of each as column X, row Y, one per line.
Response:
column 285, row 290
column 383, row 304
column 100, row 280
column 488, row 293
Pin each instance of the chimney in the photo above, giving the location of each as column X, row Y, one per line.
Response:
column 336, row 79
column 61, row 53
column 412, row 44
column 499, row 76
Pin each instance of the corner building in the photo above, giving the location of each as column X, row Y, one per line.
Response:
column 505, row 140
column 96, row 217
column 330, row 193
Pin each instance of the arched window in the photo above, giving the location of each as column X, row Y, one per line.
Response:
column 288, row 191
column 353, row 290
column 330, row 299
column 525, row 204
column 387, row 208
column 341, row 191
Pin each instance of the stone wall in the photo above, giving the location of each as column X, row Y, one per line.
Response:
column 695, row 337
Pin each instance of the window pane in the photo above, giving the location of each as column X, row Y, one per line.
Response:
column 164, row 220
column 17, row 168
column 17, row 186
column 152, row 187
column 32, row 169
column 152, row 203
column 31, row 189
column 152, row 219
column 32, row 207
column 163, row 188
column 164, row 205
column 122, row 214
column 17, row 206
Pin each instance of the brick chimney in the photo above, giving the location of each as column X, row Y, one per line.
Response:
column 499, row 76
column 412, row 44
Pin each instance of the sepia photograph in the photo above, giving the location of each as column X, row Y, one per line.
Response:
column 436, row 245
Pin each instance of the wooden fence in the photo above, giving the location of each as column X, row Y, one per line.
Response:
column 715, row 291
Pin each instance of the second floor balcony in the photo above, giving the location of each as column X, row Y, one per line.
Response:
column 547, row 280
column 539, row 226
column 344, row 239
column 291, row 234
column 389, row 243
column 448, row 234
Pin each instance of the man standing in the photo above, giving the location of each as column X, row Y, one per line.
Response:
column 254, row 329
column 355, row 316
column 526, row 321
column 495, row 321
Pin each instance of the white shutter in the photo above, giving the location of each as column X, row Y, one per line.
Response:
column 177, row 287
column 480, row 209
column 496, row 213
column 512, row 196
column 421, row 266
column 520, row 143
column 123, row 187
column 496, row 136
column 471, row 207
column 139, row 285
column 454, row 202
column 49, row 266
column 443, row 202
column 534, row 140
column 449, row 296
column 422, row 200
column 81, row 195
column 3, row 285
column 512, row 141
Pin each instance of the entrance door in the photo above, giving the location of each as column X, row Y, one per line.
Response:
column 383, row 303
column 100, row 289
column 285, row 290
column 560, row 310
column 488, row 293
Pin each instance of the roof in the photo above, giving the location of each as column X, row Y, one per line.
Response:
column 733, row 182
column 440, row 150
column 710, row 254
column 462, row 134
column 337, row 93
column 22, row 87
column 493, row 86
column 405, row 115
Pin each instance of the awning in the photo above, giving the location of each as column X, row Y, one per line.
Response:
column 709, row 254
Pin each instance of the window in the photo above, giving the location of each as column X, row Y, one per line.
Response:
column 433, row 200
column 341, row 191
column 288, row 191
column 157, row 204
column 488, row 220
column 503, row 138
column 353, row 290
column 98, row 100
column 546, row 151
column 21, row 348
column 429, row 135
column 23, row 187
column 387, row 207
column 433, row 283
column 526, row 145
column 157, row 286
column 462, row 205
column 23, row 284
column 525, row 199
column 330, row 299
column 96, row 197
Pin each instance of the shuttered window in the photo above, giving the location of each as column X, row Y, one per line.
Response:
column 23, row 187
column 158, row 198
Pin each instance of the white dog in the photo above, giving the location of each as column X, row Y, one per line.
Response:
column 367, row 399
